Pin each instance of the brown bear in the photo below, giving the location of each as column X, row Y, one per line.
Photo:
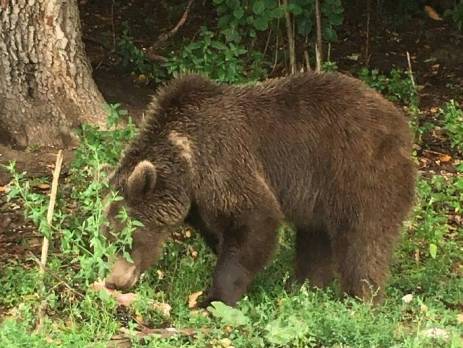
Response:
column 323, row 152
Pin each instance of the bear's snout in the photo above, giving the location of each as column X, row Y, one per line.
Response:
column 123, row 276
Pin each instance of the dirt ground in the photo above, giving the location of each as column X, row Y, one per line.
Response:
column 436, row 51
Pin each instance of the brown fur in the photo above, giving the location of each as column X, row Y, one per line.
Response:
column 322, row 151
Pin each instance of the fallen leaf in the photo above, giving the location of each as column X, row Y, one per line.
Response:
column 225, row 342
column 407, row 298
column 436, row 332
column 445, row 158
column 139, row 319
column 141, row 78
column 122, row 299
column 43, row 186
column 3, row 189
column 353, row 56
column 193, row 299
column 125, row 299
column 432, row 13
column 99, row 285
column 434, row 109
column 160, row 274
column 162, row 307
column 192, row 252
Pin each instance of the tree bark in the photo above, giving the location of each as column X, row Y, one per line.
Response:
column 46, row 86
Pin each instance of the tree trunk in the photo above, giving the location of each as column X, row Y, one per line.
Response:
column 291, row 39
column 46, row 86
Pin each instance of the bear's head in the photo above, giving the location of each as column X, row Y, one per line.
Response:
column 135, row 191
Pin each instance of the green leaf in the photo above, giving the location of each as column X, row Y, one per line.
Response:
column 277, row 12
column 232, row 35
column 224, row 21
column 261, row 23
column 284, row 331
column 228, row 315
column 294, row 9
column 433, row 250
column 258, row 7
column 219, row 45
column 238, row 12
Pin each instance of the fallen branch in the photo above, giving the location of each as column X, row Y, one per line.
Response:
column 51, row 208
column 162, row 332
column 45, row 243
column 306, row 53
column 125, row 336
column 410, row 71
column 367, row 39
column 166, row 36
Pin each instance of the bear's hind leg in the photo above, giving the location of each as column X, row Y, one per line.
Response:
column 362, row 256
column 313, row 257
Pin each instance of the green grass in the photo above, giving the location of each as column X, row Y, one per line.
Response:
column 428, row 265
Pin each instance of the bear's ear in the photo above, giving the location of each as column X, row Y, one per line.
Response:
column 142, row 179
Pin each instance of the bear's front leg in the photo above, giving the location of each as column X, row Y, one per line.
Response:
column 247, row 246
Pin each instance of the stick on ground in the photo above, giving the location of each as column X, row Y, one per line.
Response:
column 51, row 207
column 410, row 71
column 45, row 243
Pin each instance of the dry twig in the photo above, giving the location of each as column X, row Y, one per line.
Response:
column 166, row 36
column 306, row 53
column 410, row 71
column 367, row 39
column 51, row 207
column 45, row 243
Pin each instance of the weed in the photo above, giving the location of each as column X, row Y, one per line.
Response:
column 397, row 86
column 453, row 123
column 220, row 61
column 135, row 60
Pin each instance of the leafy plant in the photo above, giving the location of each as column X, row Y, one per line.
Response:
column 228, row 315
column 453, row 123
column 284, row 331
column 397, row 86
column 135, row 60
column 220, row 61
column 304, row 13
column 457, row 14
column 79, row 225
column 243, row 19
